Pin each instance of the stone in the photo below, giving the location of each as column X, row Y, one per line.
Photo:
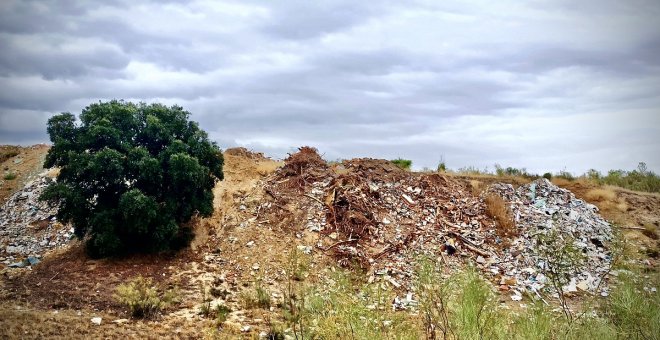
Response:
column 97, row 320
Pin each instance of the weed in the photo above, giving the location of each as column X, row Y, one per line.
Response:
column 562, row 260
column 221, row 312
column 633, row 310
column 9, row 176
column 433, row 300
column 257, row 298
column 142, row 298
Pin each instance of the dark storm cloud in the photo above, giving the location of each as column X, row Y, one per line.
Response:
column 476, row 83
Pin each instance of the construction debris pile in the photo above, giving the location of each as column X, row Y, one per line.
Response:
column 371, row 214
column 28, row 226
column 540, row 209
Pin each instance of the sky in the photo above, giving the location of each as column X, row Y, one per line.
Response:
column 545, row 85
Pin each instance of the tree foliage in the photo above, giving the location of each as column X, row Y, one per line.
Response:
column 131, row 175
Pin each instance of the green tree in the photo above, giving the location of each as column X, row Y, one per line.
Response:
column 131, row 175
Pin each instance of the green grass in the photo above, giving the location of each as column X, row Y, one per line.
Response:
column 464, row 306
column 9, row 176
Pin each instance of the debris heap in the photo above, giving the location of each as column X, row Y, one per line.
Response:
column 541, row 208
column 28, row 226
column 370, row 213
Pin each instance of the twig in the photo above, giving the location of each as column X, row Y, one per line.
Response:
column 314, row 198
column 633, row 228
column 469, row 244
column 51, row 279
column 336, row 244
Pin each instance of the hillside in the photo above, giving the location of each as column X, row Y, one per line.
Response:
column 307, row 217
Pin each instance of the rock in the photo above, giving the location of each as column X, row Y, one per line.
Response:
column 480, row 259
column 249, row 244
column 120, row 321
column 96, row 321
column 17, row 265
column 305, row 249
column 583, row 286
column 246, row 328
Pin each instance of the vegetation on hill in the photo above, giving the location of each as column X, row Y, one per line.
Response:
column 131, row 175
column 404, row 164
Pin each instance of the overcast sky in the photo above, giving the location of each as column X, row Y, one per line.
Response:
column 545, row 85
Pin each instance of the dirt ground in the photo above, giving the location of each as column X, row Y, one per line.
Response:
column 233, row 251
column 23, row 162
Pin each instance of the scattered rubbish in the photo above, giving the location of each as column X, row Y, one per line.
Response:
column 28, row 226
column 96, row 321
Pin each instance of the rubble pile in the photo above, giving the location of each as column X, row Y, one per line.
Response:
column 539, row 209
column 370, row 213
column 28, row 226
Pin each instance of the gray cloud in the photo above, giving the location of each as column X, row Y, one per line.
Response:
column 544, row 86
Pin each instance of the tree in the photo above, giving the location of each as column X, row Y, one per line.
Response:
column 131, row 175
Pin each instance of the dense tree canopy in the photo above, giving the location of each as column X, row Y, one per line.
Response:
column 131, row 175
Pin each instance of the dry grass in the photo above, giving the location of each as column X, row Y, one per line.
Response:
column 600, row 195
column 477, row 187
column 497, row 209
column 27, row 323
column 607, row 198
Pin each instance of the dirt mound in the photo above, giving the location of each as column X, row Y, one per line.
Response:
column 245, row 153
column 20, row 165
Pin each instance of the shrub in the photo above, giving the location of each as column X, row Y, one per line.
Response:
column 131, row 175
column 10, row 176
column 563, row 174
column 442, row 167
column 142, row 298
column 404, row 164
column 640, row 179
column 547, row 176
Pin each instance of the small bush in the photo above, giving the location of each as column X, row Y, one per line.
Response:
column 142, row 297
column 547, row 176
column 404, row 164
column 221, row 312
column 10, row 176
column 442, row 167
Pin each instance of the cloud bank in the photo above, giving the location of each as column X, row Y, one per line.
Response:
column 545, row 85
